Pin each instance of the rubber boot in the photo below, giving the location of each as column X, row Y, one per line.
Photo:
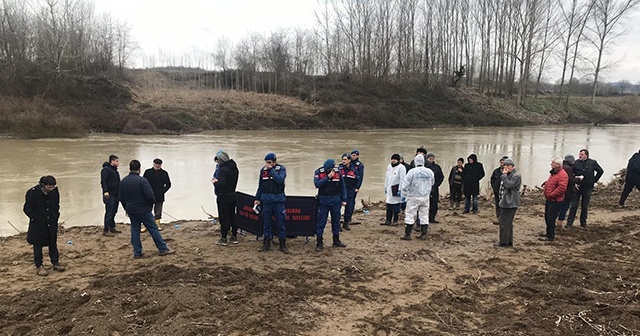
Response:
column 423, row 232
column 395, row 218
column 407, row 232
column 283, row 246
column 346, row 225
column 318, row 244
column 389, row 215
column 266, row 245
column 337, row 242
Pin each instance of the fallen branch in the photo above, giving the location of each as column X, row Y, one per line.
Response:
column 479, row 275
column 438, row 315
column 439, row 257
column 15, row 228
column 208, row 214
column 580, row 315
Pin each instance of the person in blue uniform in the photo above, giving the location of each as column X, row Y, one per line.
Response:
column 271, row 197
column 351, row 179
column 332, row 194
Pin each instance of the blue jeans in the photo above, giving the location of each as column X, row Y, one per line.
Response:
column 564, row 206
column 467, row 202
column 351, row 204
column 269, row 210
column 326, row 206
column 150, row 223
column 110, row 210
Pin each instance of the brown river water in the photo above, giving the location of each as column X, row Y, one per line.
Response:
column 76, row 163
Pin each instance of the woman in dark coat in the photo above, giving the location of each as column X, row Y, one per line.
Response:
column 472, row 174
column 42, row 206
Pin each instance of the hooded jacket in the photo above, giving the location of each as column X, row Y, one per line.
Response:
column 472, row 174
column 227, row 182
column 110, row 179
column 419, row 181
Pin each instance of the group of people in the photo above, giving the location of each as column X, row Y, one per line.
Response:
column 412, row 187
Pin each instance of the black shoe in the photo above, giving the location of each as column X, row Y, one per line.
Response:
column 465, row 212
column 386, row 223
column 283, row 246
column 433, row 221
column 337, row 242
column 266, row 245
column 583, row 225
column 546, row 239
column 394, row 223
column 346, row 226
column 475, row 212
column 114, row 230
column 502, row 245
column 319, row 244
column 108, row 234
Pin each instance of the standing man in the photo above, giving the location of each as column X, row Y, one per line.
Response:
column 225, row 188
column 632, row 179
column 392, row 186
column 495, row 185
column 42, row 206
column 417, row 186
column 509, row 194
column 554, row 190
column 567, row 165
column 350, row 177
column 422, row 151
column 271, row 196
column 587, row 172
column 455, row 184
column 110, row 182
column 472, row 174
column 332, row 193
column 435, row 194
column 355, row 160
column 160, row 183
column 137, row 200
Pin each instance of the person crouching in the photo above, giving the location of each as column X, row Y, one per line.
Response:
column 332, row 194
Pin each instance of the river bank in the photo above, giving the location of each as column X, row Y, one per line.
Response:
column 456, row 282
column 138, row 107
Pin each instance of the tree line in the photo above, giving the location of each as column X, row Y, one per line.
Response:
column 503, row 47
column 42, row 41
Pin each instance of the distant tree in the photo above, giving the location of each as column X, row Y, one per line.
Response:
column 624, row 86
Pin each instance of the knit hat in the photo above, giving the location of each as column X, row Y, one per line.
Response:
column 222, row 157
column 430, row 155
column 330, row 163
column 570, row 158
column 509, row 162
column 421, row 149
column 395, row 157
column 356, row 152
column 270, row 157
column 419, row 160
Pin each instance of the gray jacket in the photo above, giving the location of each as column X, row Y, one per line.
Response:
column 510, row 189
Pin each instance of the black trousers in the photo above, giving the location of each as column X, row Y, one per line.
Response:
column 551, row 210
column 157, row 210
column 628, row 187
column 227, row 213
column 433, row 204
column 53, row 254
column 496, row 201
column 583, row 197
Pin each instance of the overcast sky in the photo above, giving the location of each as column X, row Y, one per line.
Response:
column 186, row 25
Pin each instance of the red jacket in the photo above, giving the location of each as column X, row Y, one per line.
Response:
column 556, row 186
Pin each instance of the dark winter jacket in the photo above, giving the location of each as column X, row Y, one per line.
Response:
column 495, row 180
column 438, row 175
column 571, row 186
column 473, row 173
column 136, row 194
column 110, row 179
column 455, row 177
column 227, row 180
column 271, row 185
column 159, row 181
column 43, row 211
column 633, row 168
column 587, row 169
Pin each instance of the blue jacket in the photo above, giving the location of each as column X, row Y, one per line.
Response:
column 351, row 177
column 271, row 185
column 329, row 188
column 136, row 194
column 110, row 179
column 360, row 168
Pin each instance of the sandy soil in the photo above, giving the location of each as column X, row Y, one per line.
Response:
column 455, row 283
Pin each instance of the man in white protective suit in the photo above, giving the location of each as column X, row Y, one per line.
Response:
column 417, row 188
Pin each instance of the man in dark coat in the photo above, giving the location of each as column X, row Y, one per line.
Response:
column 495, row 185
column 110, row 182
column 567, row 165
column 225, row 188
column 473, row 172
column 435, row 194
column 587, row 173
column 632, row 179
column 160, row 183
column 42, row 206
column 137, row 200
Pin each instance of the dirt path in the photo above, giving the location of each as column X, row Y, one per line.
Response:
column 455, row 283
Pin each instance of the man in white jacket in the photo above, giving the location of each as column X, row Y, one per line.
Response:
column 392, row 186
column 416, row 187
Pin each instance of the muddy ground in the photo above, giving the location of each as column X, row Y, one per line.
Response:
column 455, row 283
